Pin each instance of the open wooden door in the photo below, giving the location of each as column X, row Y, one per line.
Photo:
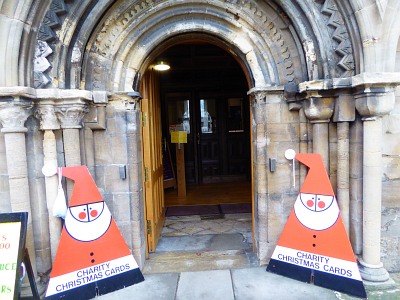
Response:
column 152, row 160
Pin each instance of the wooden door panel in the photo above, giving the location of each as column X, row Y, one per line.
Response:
column 152, row 162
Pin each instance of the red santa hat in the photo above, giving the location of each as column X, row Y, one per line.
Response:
column 85, row 190
column 317, row 180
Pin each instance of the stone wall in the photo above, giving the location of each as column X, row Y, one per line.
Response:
column 275, row 129
column 115, row 148
column 391, row 189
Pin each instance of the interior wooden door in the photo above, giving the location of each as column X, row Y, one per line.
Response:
column 223, row 139
column 152, row 161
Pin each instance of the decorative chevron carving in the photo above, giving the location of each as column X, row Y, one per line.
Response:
column 46, row 37
column 340, row 38
column 52, row 21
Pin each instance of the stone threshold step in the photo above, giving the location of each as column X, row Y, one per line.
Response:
column 175, row 262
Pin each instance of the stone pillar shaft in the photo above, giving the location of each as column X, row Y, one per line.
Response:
column 321, row 141
column 372, row 103
column 343, row 180
column 72, row 147
column 51, row 182
column 13, row 117
column 356, row 197
column 136, row 191
column 70, row 113
column 319, row 111
column 372, row 191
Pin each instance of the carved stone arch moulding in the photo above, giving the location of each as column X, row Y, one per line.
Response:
column 47, row 38
column 269, row 26
column 342, row 50
column 281, row 41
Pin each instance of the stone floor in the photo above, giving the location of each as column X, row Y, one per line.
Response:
column 218, row 224
column 198, row 243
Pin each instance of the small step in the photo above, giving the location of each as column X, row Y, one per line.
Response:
column 174, row 262
column 203, row 242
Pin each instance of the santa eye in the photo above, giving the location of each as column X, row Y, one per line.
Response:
column 95, row 210
column 308, row 200
column 310, row 203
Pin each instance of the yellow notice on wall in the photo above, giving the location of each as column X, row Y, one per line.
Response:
column 9, row 247
column 178, row 137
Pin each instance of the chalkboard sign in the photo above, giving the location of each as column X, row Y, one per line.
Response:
column 12, row 251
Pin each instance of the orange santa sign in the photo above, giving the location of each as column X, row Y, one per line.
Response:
column 92, row 257
column 314, row 246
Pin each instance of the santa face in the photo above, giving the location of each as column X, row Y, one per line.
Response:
column 88, row 222
column 317, row 212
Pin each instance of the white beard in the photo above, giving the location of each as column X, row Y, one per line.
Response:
column 87, row 231
column 316, row 219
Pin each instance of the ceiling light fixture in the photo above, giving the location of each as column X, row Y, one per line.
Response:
column 161, row 66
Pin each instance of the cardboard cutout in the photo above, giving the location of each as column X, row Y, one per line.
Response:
column 314, row 246
column 92, row 257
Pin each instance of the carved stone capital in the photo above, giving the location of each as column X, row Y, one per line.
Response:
column 71, row 114
column 46, row 114
column 258, row 105
column 375, row 93
column 374, row 103
column 70, row 106
column 319, row 109
column 125, row 101
column 262, row 97
column 13, row 115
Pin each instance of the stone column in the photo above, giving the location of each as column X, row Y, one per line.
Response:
column 372, row 103
column 70, row 116
column 318, row 111
column 45, row 112
column 14, row 112
column 136, row 188
column 259, row 141
column 344, row 113
column 70, row 113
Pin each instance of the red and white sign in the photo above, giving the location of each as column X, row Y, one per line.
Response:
column 92, row 257
column 314, row 246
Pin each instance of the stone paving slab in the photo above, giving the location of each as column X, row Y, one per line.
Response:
column 155, row 286
column 205, row 285
column 258, row 284
column 238, row 284
column 197, row 261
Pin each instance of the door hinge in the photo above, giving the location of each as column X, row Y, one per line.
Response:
column 149, row 229
column 144, row 119
column 146, row 174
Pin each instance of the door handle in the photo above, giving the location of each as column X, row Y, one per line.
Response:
column 198, row 138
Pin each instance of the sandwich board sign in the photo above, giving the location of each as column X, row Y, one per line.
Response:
column 314, row 246
column 92, row 258
column 12, row 246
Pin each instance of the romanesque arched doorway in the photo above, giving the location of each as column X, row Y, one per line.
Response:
column 295, row 56
column 205, row 93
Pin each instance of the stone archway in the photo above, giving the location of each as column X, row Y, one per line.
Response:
column 290, row 52
column 110, row 45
